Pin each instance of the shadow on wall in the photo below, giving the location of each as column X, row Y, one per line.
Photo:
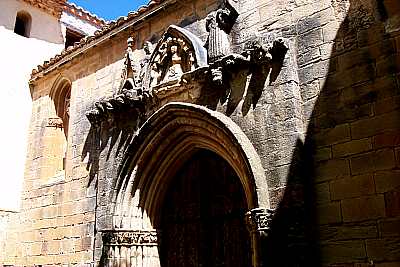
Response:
column 339, row 194
column 120, row 131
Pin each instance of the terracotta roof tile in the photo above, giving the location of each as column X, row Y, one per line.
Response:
column 52, row 7
column 84, row 14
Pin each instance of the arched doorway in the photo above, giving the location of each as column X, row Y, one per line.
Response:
column 202, row 221
column 168, row 146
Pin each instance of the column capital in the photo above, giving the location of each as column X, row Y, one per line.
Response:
column 259, row 220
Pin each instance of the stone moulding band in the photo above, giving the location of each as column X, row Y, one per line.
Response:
column 130, row 237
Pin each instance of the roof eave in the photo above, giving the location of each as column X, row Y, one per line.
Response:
column 121, row 25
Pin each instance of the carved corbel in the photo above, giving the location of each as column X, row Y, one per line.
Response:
column 256, row 55
column 260, row 53
column 129, row 101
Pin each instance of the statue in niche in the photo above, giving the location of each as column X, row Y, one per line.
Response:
column 172, row 60
column 177, row 52
column 219, row 24
column 175, row 70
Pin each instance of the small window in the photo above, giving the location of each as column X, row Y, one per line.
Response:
column 23, row 24
column 72, row 37
column 58, row 128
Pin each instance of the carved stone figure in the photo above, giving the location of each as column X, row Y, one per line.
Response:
column 148, row 49
column 219, row 24
column 192, row 62
column 129, row 71
column 155, row 75
column 176, row 60
column 177, row 52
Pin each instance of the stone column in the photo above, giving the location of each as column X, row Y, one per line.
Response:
column 258, row 222
column 130, row 248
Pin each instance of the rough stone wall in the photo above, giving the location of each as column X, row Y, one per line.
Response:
column 326, row 128
column 329, row 132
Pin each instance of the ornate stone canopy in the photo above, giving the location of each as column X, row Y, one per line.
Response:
column 178, row 51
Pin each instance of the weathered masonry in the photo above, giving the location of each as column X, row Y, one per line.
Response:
column 219, row 133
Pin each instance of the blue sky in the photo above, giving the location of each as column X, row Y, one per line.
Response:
column 110, row 10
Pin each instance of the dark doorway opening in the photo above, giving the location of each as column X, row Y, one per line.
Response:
column 203, row 215
column 72, row 37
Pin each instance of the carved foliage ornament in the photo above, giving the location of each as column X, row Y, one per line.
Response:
column 130, row 238
column 179, row 52
column 259, row 220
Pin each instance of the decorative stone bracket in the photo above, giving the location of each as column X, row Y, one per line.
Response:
column 256, row 54
column 259, row 220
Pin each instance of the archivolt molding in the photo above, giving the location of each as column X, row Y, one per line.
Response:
column 166, row 140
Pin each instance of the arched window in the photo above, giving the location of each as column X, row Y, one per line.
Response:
column 53, row 148
column 61, row 95
column 23, row 24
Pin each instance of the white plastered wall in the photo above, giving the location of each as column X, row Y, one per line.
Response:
column 71, row 21
column 19, row 55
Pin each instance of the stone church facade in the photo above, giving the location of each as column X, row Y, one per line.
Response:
column 218, row 133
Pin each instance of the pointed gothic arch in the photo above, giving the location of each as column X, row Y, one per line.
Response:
column 170, row 136
column 165, row 142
